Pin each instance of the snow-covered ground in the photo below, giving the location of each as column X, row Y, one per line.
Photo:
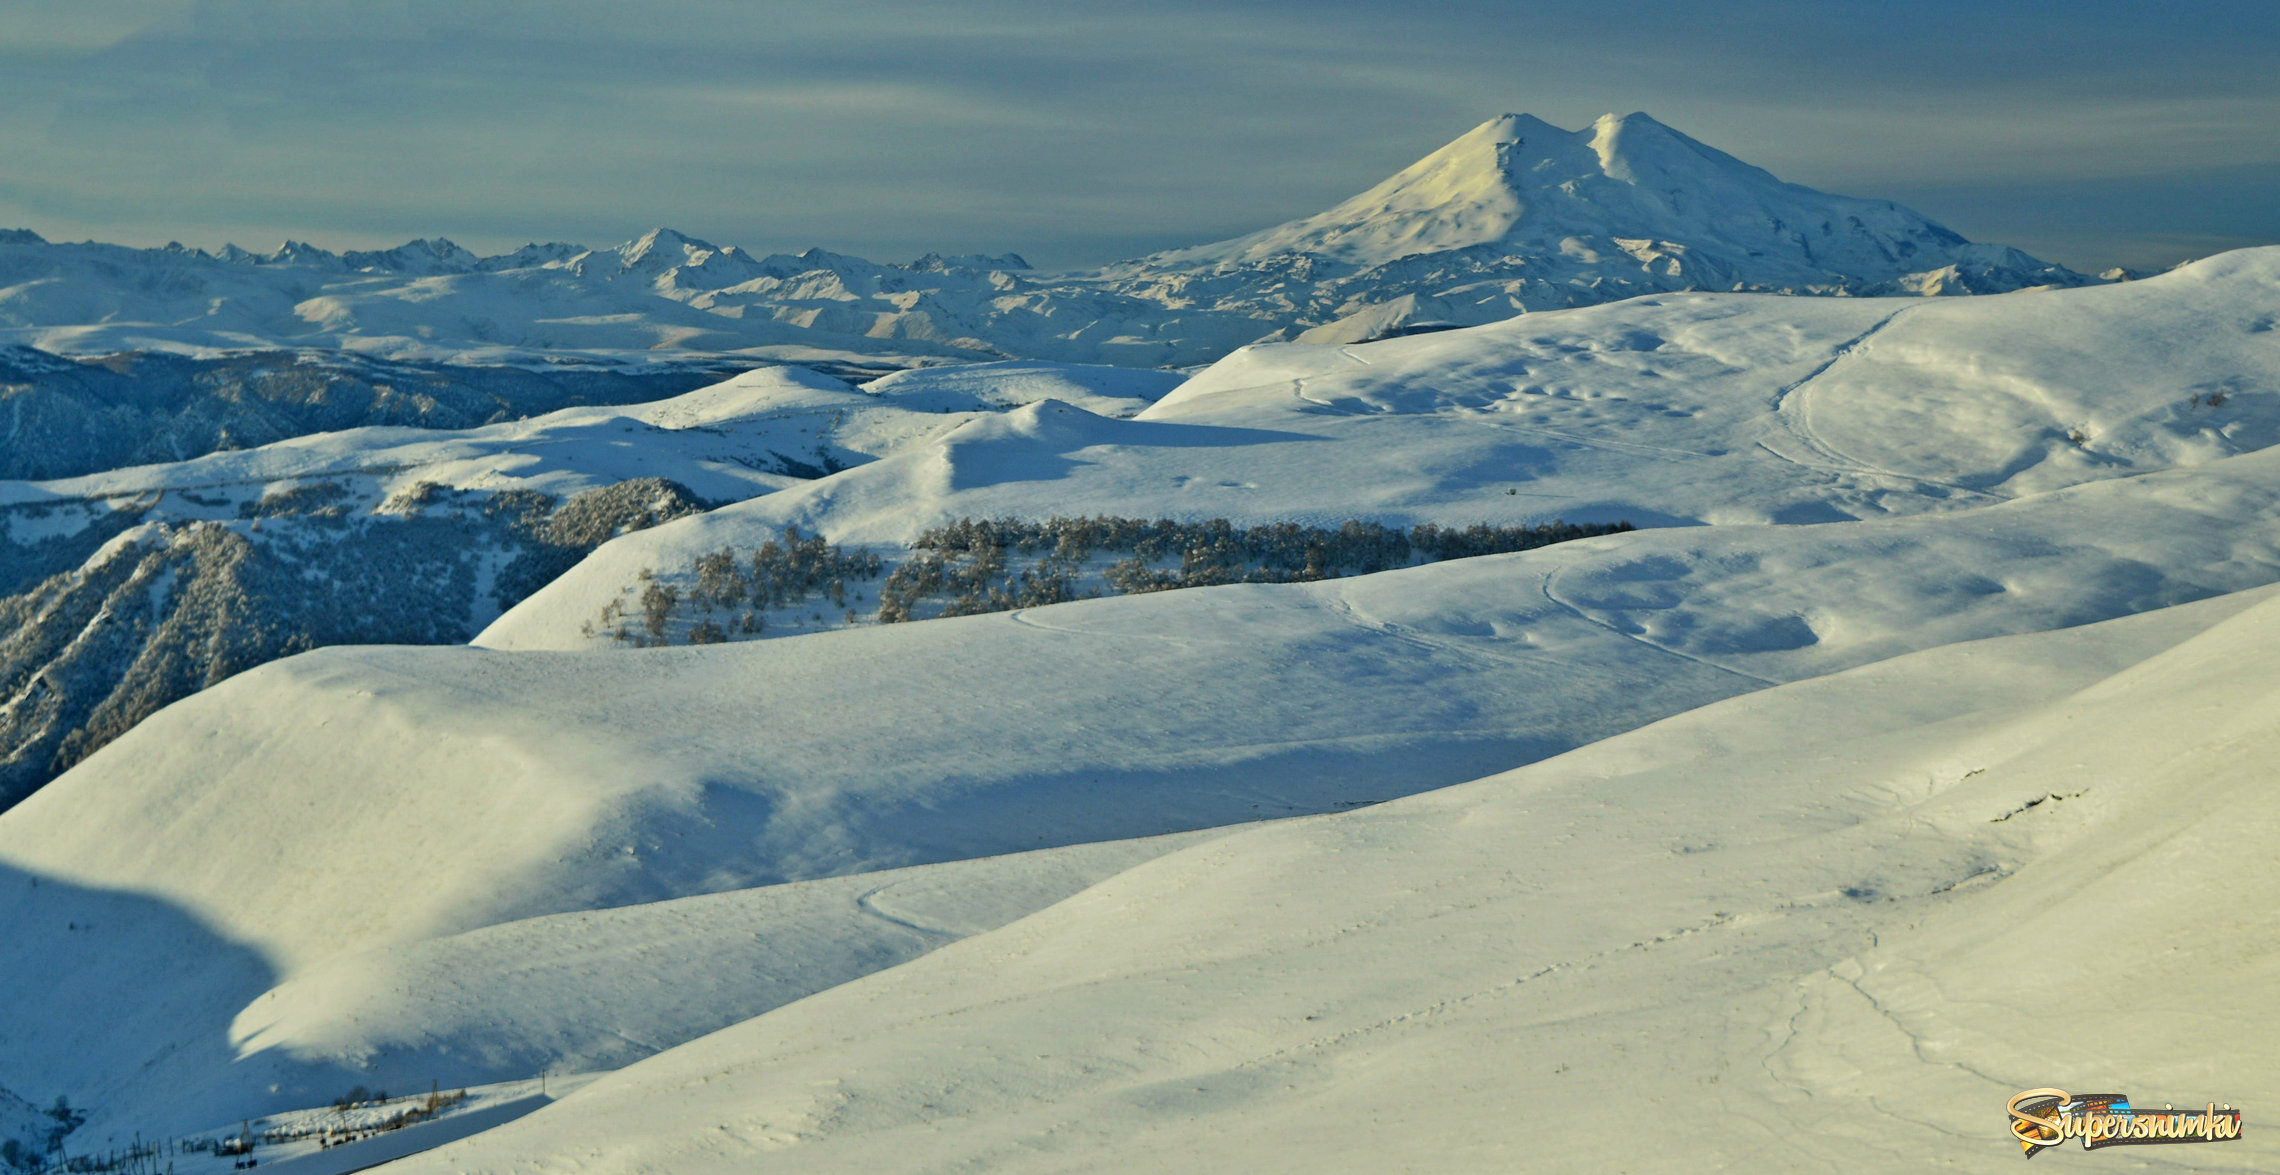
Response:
column 754, row 434
column 1768, row 836
column 307, row 835
column 24, row 1124
column 123, row 590
column 1828, row 926
column 361, row 1129
column 1669, row 411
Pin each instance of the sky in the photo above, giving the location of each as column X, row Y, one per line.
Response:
column 2091, row 132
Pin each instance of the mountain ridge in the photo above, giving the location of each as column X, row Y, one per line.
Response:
column 1513, row 216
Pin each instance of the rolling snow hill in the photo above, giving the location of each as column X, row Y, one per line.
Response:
column 307, row 826
column 1677, row 410
column 125, row 590
column 1515, row 215
column 1948, row 621
column 1829, row 926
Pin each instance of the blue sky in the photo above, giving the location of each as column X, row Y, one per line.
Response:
column 2089, row 132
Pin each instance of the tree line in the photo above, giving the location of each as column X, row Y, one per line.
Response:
column 974, row 566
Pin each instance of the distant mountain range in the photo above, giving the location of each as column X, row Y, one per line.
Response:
column 63, row 418
column 1515, row 215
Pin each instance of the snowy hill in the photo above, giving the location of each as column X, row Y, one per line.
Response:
column 1819, row 927
column 1947, row 621
column 1515, row 215
column 125, row 590
column 64, row 418
column 318, row 819
column 25, row 1130
column 1675, row 410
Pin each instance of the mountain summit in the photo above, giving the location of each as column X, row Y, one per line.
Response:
column 1518, row 214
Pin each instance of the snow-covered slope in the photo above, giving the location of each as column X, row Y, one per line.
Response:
column 1983, row 397
column 1829, row 926
column 461, row 863
column 1515, row 215
column 353, row 804
column 969, row 387
column 25, row 1130
column 752, row 434
column 1679, row 409
column 121, row 591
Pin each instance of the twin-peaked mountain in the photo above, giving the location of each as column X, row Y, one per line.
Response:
column 1516, row 215
column 1519, row 214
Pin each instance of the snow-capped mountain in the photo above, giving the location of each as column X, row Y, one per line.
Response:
column 1515, row 215
column 1627, row 186
column 1519, row 214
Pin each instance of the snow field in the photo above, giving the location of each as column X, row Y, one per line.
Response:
column 1818, row 926
column 783, row 883
column 1681, row 409
column 329, row 814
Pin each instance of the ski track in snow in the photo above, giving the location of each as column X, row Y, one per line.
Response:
column 1792, row 407
column 1552, row 576
column 868, row 903
column 1027, row 618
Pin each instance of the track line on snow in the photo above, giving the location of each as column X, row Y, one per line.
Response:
column 1843, row 351
column 865, row 904
column 1588, row 618
column 1020, row 616
column 1453, row 1003
column 1791, row 409
column 1479, row 654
